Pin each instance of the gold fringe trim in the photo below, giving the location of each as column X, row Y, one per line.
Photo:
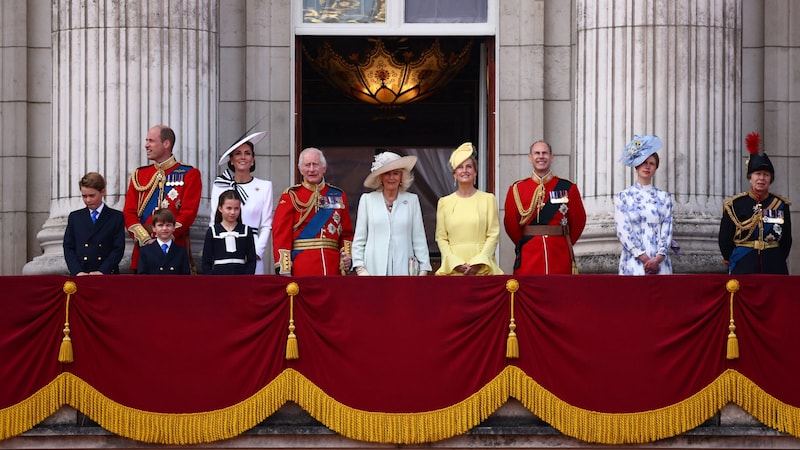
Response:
column 767, row 409
column 26, row 414
column 177, row 429
column 401, row 428
column 621, row 428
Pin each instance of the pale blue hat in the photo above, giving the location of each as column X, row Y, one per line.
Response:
column 639, row 148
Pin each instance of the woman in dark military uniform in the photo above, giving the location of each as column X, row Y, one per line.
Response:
column 755, row 235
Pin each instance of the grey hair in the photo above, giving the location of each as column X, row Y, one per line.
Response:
column 311, row 150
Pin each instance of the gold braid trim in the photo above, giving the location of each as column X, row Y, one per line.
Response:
column 148, row 188
column 402, row 428
column 23, row 416
column 158, row 177
column 536, row 199
column 305, row 208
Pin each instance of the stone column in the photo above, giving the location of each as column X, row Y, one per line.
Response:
column 120, row 67
column 670, row 68
column 776, row 42
column 24, row 110
column 13, row 99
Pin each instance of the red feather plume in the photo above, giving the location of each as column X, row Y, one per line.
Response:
column 752, row 141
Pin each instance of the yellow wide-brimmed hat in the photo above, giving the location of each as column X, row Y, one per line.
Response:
column 386, row 162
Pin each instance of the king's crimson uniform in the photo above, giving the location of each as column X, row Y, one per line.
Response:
column 544, row 217
column 170, row 185
column 310, row 230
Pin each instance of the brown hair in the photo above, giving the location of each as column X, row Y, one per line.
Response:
column 658, row 160
column 227, row 195
column 93, row 180
column 163, row 215
column 167, row 134
column 252, row 152
column 549, row 149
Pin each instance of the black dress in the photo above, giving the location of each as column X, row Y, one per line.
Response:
column 229, row 252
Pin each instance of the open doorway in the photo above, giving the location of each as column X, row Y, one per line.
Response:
column 350, row 131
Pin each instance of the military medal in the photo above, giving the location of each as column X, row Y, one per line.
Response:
column 559, row 196
column 773, row 216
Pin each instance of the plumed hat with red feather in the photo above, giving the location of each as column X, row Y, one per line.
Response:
column 757, row 161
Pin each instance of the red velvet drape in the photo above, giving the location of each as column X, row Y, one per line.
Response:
column 603, row 343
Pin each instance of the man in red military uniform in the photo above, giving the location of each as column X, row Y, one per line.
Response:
column 164, row 184
column 311, row 231
column 544, row 217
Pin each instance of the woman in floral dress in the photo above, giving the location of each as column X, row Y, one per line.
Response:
column 643, row 213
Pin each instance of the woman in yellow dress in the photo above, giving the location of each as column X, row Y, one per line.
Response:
column 467, row 225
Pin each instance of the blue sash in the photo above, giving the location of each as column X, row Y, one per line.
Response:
column 318, row 221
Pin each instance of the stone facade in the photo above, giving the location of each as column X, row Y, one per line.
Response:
column 80, row 83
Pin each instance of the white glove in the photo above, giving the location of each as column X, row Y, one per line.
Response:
column 422, row 273
column 361, row 271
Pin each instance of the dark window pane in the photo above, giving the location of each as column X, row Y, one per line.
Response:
column 446, row 11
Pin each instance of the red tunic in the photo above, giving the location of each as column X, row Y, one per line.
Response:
column 546, row 254
column 303, row 251
column 178, row 189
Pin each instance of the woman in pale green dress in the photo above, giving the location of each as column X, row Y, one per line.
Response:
column 467, row 225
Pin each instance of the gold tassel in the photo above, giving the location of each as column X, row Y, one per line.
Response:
column 292, row 351
column 733, row 342
column 65, row 355
column 512, row 344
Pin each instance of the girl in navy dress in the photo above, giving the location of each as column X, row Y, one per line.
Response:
column 229, row 247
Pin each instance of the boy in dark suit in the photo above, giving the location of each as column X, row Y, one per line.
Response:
column 163, row 256
column 94, row 241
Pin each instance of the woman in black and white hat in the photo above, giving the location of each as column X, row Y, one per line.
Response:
column 255, row 193
column 390, row 236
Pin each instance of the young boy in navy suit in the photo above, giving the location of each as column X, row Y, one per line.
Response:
column 163, row 256
column 94, row 241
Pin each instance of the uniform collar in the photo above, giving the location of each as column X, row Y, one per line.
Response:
column 171, row 161
column 542, row 180
column 314, row 187
column 755, row 196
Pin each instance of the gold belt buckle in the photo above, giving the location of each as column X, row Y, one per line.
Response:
column 758, row 245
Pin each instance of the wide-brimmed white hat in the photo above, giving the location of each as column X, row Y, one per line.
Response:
column 386, row 162
column 254, row 139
